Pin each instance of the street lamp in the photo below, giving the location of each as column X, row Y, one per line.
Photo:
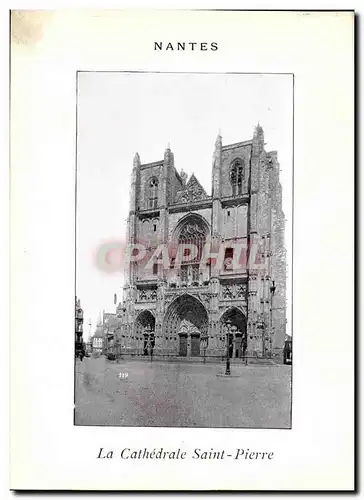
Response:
column 152, row 343
column 272, row 292
column 228, row 329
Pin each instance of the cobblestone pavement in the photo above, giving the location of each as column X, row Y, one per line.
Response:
column 141, row 393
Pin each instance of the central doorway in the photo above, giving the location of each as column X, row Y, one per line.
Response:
column 186, row 318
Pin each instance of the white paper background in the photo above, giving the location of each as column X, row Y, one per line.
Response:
column 47, row 451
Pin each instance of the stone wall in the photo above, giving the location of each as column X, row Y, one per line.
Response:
column 234, row 221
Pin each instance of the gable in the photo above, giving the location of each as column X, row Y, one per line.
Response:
column 193, row 191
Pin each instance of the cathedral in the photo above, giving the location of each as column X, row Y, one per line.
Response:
column 206, row 275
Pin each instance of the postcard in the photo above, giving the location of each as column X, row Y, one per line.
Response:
column 180, row 179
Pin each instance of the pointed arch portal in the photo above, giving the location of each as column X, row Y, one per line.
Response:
column 186, row 318
column 145, row 328
column 234, row 320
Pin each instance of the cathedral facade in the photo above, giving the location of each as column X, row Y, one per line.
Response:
column 206, row 274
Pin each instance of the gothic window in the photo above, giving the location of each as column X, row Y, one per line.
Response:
column 153, row 193
column 193, row 234
column 191, row 243
column 237, row 177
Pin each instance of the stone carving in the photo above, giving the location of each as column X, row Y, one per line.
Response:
column 224, row 308
column 186, row 327
column 193, row 192
column 190, row 231
column 147, row 295
column 178, row 292
column 183, row 176
column 227, row 292
column 205, row 299
column 241, row 291
column 234, row 291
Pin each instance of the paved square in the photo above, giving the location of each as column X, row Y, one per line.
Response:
column 141, row 393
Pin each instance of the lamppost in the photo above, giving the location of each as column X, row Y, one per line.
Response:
column 228, row 329
column 152, row 343
column 244, row 344
column 272, row 292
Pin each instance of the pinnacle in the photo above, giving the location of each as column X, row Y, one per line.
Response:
column 136, row 161
column 258, row 128
column 218, row 139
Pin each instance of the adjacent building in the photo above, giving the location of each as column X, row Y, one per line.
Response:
column 79, row 344
column 112, row 333
column 98, row 339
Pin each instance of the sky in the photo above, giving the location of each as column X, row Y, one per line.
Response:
column 119, row 114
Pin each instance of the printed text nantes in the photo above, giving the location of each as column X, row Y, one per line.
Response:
column 203, row 46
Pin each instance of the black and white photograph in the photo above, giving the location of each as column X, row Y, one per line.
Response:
column 184, row 205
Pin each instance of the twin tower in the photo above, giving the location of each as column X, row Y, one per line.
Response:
column 227, row 287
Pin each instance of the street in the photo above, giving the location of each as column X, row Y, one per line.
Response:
column 145, row 394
